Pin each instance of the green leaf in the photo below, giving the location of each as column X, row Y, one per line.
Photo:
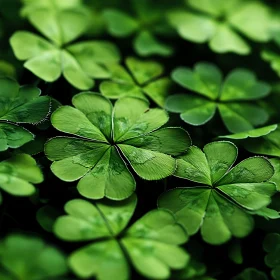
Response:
column 276, row 176
column 46, row 217
column 254, row 133
column 273, row 59
column 235, row 252
column 18, row 174
column 251, row 274
column 120, row 24
column 242, row 84
column 146, row 44
column 148, row 164
column 13, row 136
column 271, row 246
column 205, row 79
column 25, row 257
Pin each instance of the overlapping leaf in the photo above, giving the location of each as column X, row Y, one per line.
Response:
column 151, row 243
column 63, row 22
column 105, row 138
column 146, row 24
column 142, row 78
column 19, row 105
column 25, row 257
column 232, row 98
column 221, row 24
column 219, row 207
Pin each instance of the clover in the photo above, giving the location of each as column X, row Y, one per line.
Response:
column 223, row 24
column 222, row 204
column 103, row 139
column 19, row 105
column 141, row 78
column 232, row 98
column 272, row 247
column 50, row 58
column 25, row 257
column 18, row 174
column 146, row 23
column 150, row 244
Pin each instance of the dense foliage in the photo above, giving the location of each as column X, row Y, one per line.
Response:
column 139, row 139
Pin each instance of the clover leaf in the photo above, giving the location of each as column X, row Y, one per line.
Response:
column 266, row 145
column 232, row 98
column 19, row 105
column 147, row 22
column 150, row 244
column 221, row 24
column 24, row 257
column 141, row 78
column 102, row 139
column 220, row 205
column 271, row 245
column 250, row 274
column 18, row 174
column 48, row 59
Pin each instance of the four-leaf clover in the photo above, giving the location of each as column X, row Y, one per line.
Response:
column 232, row 98
column 141, row 78
column 103, row 138
column 79, row 63
column 150, row 244
column 220, row 205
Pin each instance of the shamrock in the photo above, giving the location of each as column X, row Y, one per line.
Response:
column 267, row 145
column 19, row 105
column 17, row 174
column 29, row 258
column 271, row 245
column 221, row 22
column 150, row 244
column 147, row 22
column 141, row 78
column 231, row 98
column 103, row 137
column 220, row 205
column 80, row 62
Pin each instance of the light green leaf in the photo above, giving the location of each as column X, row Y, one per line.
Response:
column 145, row 44
column 119, row 23
column 26, row 257
column 273, row 59
column 276, row 176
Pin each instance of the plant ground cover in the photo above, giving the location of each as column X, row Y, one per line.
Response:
column 139, row 139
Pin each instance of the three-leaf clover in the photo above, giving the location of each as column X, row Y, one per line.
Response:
column 102, row 138
column 221, row 23
column 220, row 205
column 150, row 244
column 147, row 22
column 48, row 59
column 29, row 258
column 271, row 245
column 141, row 78
column 19, row 105
column 232, row 98
column 18, row 174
